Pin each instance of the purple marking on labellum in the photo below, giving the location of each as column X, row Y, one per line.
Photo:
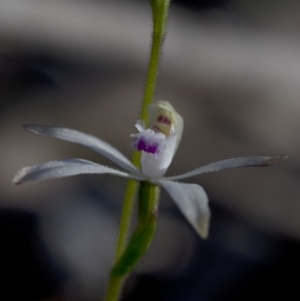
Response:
column 148, row 148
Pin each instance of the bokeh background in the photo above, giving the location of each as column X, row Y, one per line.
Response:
column 232, row 70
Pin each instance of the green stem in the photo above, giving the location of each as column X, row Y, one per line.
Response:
column 160, row 9
column 144, row 232
column 114, row 288
column 140, row 241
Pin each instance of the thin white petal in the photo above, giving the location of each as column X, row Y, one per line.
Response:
column 90, row 141
column 193, row 203
column 64, row 168
column 258, row 161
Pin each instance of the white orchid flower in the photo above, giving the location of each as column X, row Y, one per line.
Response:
column 158, row 145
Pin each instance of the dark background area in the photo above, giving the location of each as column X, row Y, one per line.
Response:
column 239, row 95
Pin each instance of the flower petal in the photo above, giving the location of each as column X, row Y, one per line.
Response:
column 193, row 203
column 155, row 165
column 65, row 168
column 90, row 141
column 258, row 161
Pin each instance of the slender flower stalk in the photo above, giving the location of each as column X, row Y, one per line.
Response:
column 160, row 10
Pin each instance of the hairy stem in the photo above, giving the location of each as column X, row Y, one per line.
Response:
column 144, row 232
column 160, row 9
column 140, row 241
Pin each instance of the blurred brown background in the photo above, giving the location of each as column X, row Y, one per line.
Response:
column 230, row 68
